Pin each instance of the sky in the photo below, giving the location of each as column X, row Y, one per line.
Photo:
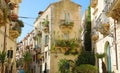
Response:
column 30, row 9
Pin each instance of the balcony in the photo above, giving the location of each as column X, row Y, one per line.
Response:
column 15, row 29
column 38, row 33
column 112, row 9
column 66, row 25
column 105, row 29
column 95, row 36
column 12, row 5
column 13, row 16
column 94, row 3
column 102, row 24
column 46, row 29
column 45, row 24
column 14, row 33
column 66, row 46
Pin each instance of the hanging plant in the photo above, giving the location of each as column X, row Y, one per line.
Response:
column 20, row 23
column 12, row 5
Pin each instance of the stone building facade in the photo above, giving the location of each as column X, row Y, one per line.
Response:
column 58, row 24
column 105, row 27
column 8, row 35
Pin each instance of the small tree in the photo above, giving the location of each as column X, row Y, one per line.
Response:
column 2, row 60
column 85, row 58
column 63, row 65
column 27, row 57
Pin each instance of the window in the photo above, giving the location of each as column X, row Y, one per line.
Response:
column 67, row 16
column 46, row 39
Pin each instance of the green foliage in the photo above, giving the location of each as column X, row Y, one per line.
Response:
column 89, row 14
column 27, row 56
column 20, row 22
column 87, row 36
column 102, row 55
column 63, row 65
column 19, row 62
column 70, row 44
column 67, row 43
column 17, row 28
column 67, row 23
column 86, row 58
column 2, row 56
column 45, row 22
column 86, row 68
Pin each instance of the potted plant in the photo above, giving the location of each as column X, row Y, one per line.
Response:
column 12, row 5
column 64, row 23
column 20, row 23
column 45, row 23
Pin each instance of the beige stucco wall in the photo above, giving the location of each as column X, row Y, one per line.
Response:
column 59, row 10
column 58, row 14
column 55, row 58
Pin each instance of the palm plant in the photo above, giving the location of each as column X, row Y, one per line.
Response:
column 2, row 60
column 27, row 59
column 101, row 56
column 63, row 65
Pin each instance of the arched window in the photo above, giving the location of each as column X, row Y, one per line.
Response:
column 108, row 56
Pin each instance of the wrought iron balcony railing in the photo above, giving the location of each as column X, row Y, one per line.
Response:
column 109, row 5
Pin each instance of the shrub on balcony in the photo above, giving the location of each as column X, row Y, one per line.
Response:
column 16, row 28
column 70, row 46
column 66, row 23
column 45, row 23
column 20, row 22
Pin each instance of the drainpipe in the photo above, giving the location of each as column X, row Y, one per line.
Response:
column 4, row 47
column 115, row 38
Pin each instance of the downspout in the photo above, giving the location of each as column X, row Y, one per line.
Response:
column 4, row 48
column 115, row 38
